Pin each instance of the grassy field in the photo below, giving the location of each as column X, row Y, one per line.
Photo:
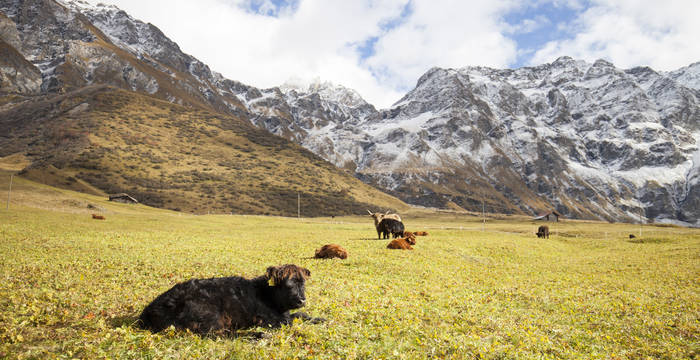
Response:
column 71, row 287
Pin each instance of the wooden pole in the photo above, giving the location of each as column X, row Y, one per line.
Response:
column 640, row 221
column 483, row 216
column 10, row 191
column 639, row 140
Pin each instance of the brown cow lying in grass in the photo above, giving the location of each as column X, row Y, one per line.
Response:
column 401, row 244
column 421, row 233
column 98, row 217
column 331, row 251
column 410, row 237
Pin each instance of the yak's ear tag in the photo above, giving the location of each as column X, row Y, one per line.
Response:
column 271, row 282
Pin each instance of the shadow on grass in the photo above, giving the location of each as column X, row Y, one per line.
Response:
column 130, row 320
column 647, row 240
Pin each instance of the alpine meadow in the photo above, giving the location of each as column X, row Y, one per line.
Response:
column 73, row 287
column 531, row 192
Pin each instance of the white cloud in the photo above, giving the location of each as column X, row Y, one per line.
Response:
column 660, row 34
column 446, row 34
column 319, row 39
column 528, row 25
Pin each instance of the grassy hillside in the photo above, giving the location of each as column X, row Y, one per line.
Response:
column 72, row 286
column 103, row 140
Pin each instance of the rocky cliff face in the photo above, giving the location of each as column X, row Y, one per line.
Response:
column 74, row 44
column 588, row 139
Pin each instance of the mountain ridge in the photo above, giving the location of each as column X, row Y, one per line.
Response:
column 473, row 119
column 93, row 116
column 587, row 139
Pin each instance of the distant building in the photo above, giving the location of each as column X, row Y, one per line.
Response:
column 123, row 198
column 550, row 216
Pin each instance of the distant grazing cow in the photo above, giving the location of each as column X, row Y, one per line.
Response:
column 543, row 231
column 632, row 236
column 98, row 217
column 331, row 251
column 390, row 226
column 220, row 306
column 399, row 244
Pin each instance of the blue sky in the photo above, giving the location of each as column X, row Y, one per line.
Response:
column 366, row 48
column 273, row 8
column 381, row 47
column 533, row 24
column 539, row 24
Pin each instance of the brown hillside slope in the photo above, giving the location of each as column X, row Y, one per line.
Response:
column 175, row 157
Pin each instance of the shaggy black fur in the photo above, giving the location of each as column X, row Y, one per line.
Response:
column 222, row 305
column 390, row 226
column 543, row 231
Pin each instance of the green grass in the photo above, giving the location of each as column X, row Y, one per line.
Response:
column 71, row 287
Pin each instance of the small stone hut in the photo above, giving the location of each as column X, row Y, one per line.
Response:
column 123, row 198
column 550, row 216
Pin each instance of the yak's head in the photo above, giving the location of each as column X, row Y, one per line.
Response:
column 287, row 285
column 377, row 216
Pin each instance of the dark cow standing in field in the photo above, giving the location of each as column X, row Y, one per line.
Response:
column 390, row 226
column 222, row 305
column 378, row 217
column 543, row 231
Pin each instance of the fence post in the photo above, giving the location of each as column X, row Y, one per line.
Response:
column 9, row 191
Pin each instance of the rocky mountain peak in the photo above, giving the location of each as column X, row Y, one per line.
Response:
column 688, row 76
column 327, row 91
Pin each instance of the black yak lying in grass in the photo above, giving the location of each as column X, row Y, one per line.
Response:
column 222, row 305
column 390, row 226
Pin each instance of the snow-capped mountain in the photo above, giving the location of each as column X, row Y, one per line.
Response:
column 321, row 116
column 590, row 139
